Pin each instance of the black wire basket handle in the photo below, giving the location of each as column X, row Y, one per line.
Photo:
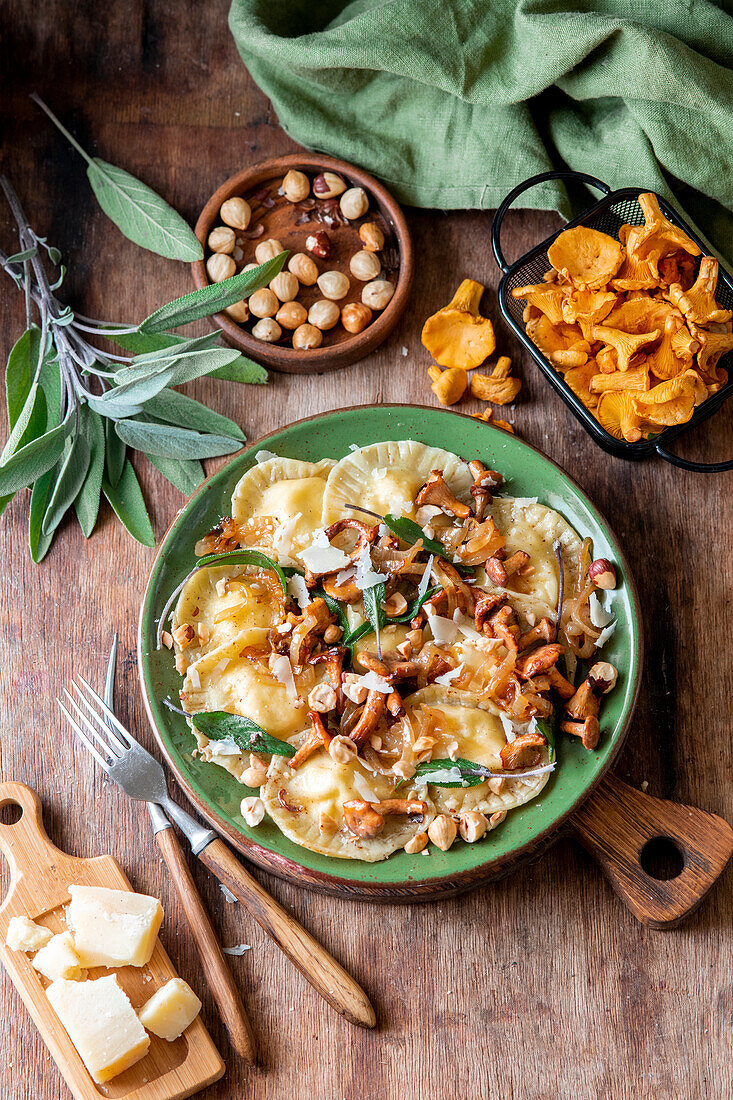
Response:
column 688, row 464
column 519, row 190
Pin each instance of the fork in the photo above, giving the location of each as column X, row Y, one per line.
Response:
column 218, row 975
column 142, row 777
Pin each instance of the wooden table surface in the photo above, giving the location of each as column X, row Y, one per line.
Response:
column 541, row 985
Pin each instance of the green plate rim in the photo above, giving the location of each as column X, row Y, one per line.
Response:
column 425, row 879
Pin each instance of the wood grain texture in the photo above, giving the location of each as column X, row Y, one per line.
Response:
column 40, row 878
column 219, row 978
column 539, row 986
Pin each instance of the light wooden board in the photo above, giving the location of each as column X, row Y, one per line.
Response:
column 540, row 986
column 39, row 888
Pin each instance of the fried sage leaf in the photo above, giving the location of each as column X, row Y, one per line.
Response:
column 219, row 725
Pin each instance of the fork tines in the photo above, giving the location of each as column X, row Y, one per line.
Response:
column 106, row 730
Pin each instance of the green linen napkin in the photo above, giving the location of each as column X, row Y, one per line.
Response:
column 453, row 102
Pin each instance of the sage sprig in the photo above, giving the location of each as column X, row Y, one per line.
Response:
column 75, row 409
column 137, row 211
column 219, row 725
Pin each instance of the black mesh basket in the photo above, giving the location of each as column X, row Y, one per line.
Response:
column 614, row 210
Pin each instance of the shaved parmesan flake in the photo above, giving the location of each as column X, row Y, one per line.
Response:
column 237, row 949
column 366, row 575
column 194, row 678
column 321, row 557
column 298, row 589
column 508, row 725
column 444, row 631
column 283, row 539
column 218, row 669
column 425, row 579
column 346, row 574
column 444, row 775
column 354, row 446
column 523, row 502
column 282, row 670
column 373, row 682
column 264, row 456
column 446, row 678
column 465, row 625
column 221, row 587
column 363, row 789
column 598, row 614
column 605, row 635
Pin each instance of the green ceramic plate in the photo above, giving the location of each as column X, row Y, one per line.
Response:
column 217, row 795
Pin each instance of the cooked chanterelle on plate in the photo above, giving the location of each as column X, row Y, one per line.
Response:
column 387, row 648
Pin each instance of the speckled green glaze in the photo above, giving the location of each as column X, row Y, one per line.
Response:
column 217, row 795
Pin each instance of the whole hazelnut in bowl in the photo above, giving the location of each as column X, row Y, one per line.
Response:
column 347, row 274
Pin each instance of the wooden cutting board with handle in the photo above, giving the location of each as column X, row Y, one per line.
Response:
column 40, row 875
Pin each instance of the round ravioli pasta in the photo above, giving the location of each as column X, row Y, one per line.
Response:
column 466, row 727
column 291, row 492
column 386, row 477
column 220, row 603
column 535, row 528
column 308, row 806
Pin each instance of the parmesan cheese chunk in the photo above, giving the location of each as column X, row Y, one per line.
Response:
column 25, row 935
column 101, row 1024
column 170, row 1010
column 58, row 959
column 113, row 927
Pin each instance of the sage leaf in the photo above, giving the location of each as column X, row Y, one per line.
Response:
column 141, row 214
column 50, row 383
column 219, row 725
column 176, row 408
column 34, row 459
column 373, row 598
column 140, row 343
column 409, row 531
column 213, row 298
column 169, row 441
column 127, row 500
column 453, row 773
column 243, row 370
column 141, row 381
column 19, row 378
column 182, row 346
column 87, row 502
column 71, row 473
column 115, row 453
column 38, row 542
column 185, row 473
column 244, row 557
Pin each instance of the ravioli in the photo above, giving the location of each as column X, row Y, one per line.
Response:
column 469, row 728
column 291, row 492
column 316, row 793
column 386, row 477
column 220, row 603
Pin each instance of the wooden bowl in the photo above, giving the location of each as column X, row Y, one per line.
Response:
column 340, row 347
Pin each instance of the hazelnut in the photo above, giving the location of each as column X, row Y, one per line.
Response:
column 319, row 244
column 304, row 268
column 268, row 330
column 497, row 818
column 353, row 688
column 256, row 774
column 602, row 677
column 327, row 185
column 364, row 266
column 307, row 336
column 472, row 825
column 219, row 266
column 416, row 843
column 239, row 311
column 415, row 638
column 268, row 249
column 355, row 317
column 332, row 634
column 237, row 254
column 296, row 186
column 333, row 284
column 291, row 315
column 250, row 267
column 377, row 294
column 323, row 314
column 322, row 698
column 263, row 303
column 236, row 212
column 286, row 286
column 183, row 635
column 222, row 239
column 395, row 604
column 342, row 750
column 354, row 203
column 602, row 573
column 252, row 810
column 371, row 237
column 442, row 830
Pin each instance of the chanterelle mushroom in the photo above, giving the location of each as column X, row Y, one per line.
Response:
column 522, row 752
column 457, row 335
column 315, row 619
column 366, row 819
column 436, row 492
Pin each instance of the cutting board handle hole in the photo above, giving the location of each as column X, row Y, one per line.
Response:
column 10, row 813
column 662, row 858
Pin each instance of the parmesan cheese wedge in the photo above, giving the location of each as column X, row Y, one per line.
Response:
column 113, row 927
column 170, row 1010
column 101, row 1024
column 58, row 959
column 25, row 935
